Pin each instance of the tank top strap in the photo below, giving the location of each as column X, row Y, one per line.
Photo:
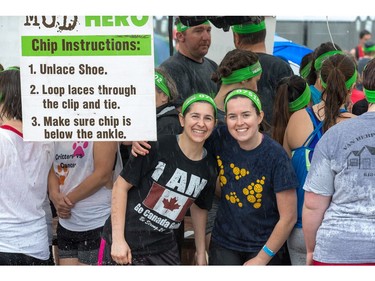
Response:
column 317, row 127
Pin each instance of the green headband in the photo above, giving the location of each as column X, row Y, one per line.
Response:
column 370, row 95
column 198, row 97
column 319, row 60
column 13, row 68
column 246, row 28
column 306, row 70
column 161, row 83
column 246, row 93
column 369, row 49
column 243, row 74
column 181, row 27
column 348, row 84
column 301, row 101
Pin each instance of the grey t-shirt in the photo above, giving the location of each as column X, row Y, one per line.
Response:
column 343, row 166
column 190, row 76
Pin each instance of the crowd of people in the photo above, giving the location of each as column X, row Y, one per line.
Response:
column 274, row 168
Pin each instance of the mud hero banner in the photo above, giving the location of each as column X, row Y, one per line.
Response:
column 88, row 78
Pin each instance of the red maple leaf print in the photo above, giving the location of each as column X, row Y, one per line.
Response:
column 171, row 204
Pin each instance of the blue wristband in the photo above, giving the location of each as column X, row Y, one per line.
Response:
column 268, row 251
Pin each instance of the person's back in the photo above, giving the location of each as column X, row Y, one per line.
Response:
column 189, row 67
column 342, row 203
column 251, row 36
column 24, row 167
column 305, row 128
column 293, row 94
column 321, row 53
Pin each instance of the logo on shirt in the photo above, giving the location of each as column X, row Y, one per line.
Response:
column 167, row 202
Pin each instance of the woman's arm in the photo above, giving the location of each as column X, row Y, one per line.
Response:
column 287, row 206
column 199, row 220
column 57, row 198
column 314, row 207
column 120, row 250
column 104, row 159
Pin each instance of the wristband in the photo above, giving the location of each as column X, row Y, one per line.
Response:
column 268, row 251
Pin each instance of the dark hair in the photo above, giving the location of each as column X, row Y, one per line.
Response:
column 253, row 38
column 336, row 70
column 308, row 58
column 368, row 75
column 363, row 33
column 320, row 50
column 10, row 92
column 170, row 83
column 287, row 90
column 360, row 107
column 367, row 45
column 233, row 60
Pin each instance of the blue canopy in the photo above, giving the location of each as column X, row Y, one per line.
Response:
column 289, row 51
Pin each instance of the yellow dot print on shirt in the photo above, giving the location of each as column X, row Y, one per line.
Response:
column 232, row 198
column 222, row 179
column 253, row 192
column 239, row 172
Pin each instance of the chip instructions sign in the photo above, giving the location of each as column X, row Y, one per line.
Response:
column 87, row 78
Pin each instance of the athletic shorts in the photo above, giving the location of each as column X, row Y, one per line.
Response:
column 168, row 257
column 83, row 245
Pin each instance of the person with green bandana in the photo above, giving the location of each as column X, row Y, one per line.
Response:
column 153, row 193
column 257, row 183
column 322, row 52
column 167, row 121
column 358, row 98
column 238, row 69
column 189, row 67
column 251, row 36
column 339, row 206
column 293, row 93
column 369, row 54
column 338, row 75
column 357, row 52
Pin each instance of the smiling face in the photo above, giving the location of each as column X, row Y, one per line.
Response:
column 199, row 121
column 243, row 121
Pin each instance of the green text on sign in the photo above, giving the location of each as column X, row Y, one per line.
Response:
column 93, row 45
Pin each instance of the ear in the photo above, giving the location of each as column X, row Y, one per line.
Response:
column 236, row 39
column 260, row 117
column 182, row 119
column 180, row 36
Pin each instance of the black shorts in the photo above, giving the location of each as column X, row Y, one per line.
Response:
column 83, row 245
column 169, row 257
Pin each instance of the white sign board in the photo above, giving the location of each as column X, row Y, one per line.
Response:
column 88, row 78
